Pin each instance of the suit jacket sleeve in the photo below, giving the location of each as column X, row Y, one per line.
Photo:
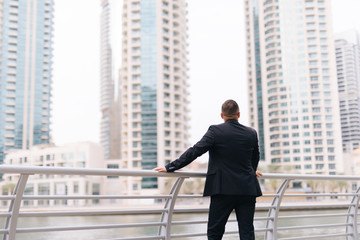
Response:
column 255, row 154
column 192, row 153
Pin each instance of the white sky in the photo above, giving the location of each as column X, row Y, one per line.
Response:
column 216, row 62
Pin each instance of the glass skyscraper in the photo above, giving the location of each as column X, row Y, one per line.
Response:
column 26, row 68
column 293, row 98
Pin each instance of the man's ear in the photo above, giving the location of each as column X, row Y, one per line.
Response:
column 239, row 115
column 222, row 116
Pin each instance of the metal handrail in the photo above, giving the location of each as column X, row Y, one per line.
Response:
column 16, row 211
column 326, row 236
column 315, row 216
column 69, row 197
column 150, row 173
column 274, row 211
column 312, row 226
column 107, row 226
column 91, row 213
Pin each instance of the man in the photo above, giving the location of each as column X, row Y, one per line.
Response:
column 231, row 179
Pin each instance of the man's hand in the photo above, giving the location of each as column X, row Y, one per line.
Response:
column 259, row 174
column 160, row 169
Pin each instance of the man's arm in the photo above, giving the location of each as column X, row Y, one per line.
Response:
column 191, row 154
column 256, row 154
column 256, row 157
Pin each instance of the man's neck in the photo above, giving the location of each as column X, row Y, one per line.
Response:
column 234, row 119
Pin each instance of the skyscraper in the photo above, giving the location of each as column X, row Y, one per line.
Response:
column 25, row 78
column 109, row 131
column 154, row 88
column 292, row 85
column 348, row 75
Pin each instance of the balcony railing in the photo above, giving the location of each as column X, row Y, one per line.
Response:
column 270, row 205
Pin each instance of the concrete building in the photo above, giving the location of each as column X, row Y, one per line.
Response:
column 154, row 86
column 292, row 84
column 348, row 75
column 80, row 155
column 26, row 33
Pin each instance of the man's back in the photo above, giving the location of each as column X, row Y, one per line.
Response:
column 233, row 159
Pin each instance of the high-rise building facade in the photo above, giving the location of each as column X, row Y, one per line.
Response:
column 26, row 69
column 348, row 74
column 154, row 88
column 109, row 131
column 293, row 98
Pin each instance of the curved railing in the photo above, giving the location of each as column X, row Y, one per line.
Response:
column 269, row 223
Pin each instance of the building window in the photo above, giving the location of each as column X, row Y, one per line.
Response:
column 331, row 150
column 316, row 117
column 76, row 187
column 318, row 150
column 317, row 134
column 167, row 153
column 319, row 166
column 329, row 134
column 275, row 160
column 275, row 152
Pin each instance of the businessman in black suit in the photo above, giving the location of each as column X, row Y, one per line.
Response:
column 231, row 179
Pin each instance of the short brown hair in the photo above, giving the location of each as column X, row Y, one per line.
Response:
column 230, row 108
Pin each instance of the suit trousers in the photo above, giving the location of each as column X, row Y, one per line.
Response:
column 221, row 207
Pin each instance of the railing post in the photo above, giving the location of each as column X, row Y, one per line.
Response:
column 352, row 217
column 11, row 221
column 166, row 217
column 274, row 211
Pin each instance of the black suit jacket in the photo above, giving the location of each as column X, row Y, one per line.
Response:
column 233, row 159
